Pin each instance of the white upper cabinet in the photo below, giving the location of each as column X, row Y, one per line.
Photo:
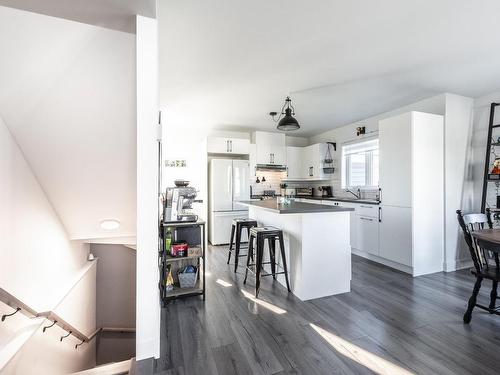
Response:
column 311, row 161
column 294, row 156
column 224, row 145
column 271, row 148
column 395, row 160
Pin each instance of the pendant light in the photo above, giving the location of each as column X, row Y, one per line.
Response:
column 288, row 122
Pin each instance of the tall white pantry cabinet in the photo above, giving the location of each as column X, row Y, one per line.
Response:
column 411, row 212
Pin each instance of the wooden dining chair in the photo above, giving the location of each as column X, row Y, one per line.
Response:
column 486, row 264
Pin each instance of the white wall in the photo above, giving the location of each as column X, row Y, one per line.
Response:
column 38, row 264
column 148, row 300
column 67, row 94
column 458, row 185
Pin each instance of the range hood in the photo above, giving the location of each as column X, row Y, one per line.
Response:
column 270, row 167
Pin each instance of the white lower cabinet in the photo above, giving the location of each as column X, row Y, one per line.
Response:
column 367, row 234
column 396, row 234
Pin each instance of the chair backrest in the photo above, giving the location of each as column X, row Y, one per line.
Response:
column 470, row 223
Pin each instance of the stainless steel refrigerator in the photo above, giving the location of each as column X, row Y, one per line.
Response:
column 229, row 183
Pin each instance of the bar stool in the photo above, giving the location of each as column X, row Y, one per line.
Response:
column 260, row 234
column 237, row 227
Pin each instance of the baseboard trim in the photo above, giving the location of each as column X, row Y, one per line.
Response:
column 458, row 264
column 385, row 262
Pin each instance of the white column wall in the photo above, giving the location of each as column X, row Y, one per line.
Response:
column 148, row 302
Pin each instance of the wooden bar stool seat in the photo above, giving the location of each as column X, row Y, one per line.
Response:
column 237, row 227
column 260, row 234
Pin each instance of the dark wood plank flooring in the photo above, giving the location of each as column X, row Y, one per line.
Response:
column 390, row 323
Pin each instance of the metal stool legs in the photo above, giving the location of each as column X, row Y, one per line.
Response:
column 231, row 243
column 283, row 257
column 249, row 256
column 260, row 239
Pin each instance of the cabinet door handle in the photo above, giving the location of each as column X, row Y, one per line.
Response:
column 380, row 194
column 380, row 214
column 365, row 218
column 311, row 171
column 230, row 146
column 227, row 146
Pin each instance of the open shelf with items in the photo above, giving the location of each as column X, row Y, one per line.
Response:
column 193, row 233
column 491, row 181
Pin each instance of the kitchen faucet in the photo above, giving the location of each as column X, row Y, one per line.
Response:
column 358, row 196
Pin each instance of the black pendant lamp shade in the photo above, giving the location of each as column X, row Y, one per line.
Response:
column 288, row 122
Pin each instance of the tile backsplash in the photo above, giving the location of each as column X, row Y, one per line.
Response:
column 272, row 181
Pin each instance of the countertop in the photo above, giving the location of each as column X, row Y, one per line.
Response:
column 295, row 207
column 338, row 199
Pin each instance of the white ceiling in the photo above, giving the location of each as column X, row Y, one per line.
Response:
column 112, row 14
column 67, row 94
column 226, row 64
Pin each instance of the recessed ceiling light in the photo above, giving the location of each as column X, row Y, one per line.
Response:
column 110, row 224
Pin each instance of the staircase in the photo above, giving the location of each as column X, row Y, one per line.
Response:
column 116, row 368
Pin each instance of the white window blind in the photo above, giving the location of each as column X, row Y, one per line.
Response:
column 360, row 164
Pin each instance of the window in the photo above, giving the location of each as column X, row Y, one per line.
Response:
column 360, row 164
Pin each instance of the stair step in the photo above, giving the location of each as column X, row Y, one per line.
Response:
column 115, row 368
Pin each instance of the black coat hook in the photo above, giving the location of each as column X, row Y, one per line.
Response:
column 77, row 345
column 7, row 315
column 47, row 327
column 63, row 337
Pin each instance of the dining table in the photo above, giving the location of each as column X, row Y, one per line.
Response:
column 488, row 239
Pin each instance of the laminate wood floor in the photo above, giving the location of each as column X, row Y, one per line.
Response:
column 390, row 323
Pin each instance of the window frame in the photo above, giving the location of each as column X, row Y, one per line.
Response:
column 369, row 167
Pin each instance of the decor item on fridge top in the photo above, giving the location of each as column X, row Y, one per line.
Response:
column 178, row 204
column 229, row 183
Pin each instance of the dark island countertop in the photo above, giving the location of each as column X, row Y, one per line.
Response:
column 339, row 199
column 294, row 207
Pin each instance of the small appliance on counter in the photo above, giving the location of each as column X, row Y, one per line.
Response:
column 326, row 191
column 304, row 192
column 178, row 204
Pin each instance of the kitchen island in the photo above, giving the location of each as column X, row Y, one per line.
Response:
column 317, row 244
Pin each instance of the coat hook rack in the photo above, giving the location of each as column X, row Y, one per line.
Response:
column 77, row 345
column 7, row 315
column 63, row 337
column 47, row 327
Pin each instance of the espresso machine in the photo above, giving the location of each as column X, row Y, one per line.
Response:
column 178, row 204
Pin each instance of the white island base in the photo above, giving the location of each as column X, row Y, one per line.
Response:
column 318, row 250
